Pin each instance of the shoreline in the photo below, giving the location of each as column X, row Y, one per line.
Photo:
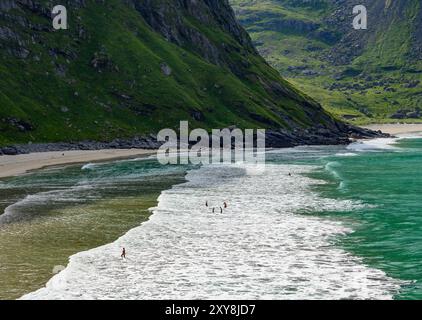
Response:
column 397, row 128
column 14, row 165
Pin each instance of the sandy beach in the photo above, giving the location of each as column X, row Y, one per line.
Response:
column 397, row 128
column 20, row 164
column 16, row 165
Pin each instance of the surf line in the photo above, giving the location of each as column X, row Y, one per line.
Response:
column 181, row 311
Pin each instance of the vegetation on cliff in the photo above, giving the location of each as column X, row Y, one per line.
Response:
column 130, row 68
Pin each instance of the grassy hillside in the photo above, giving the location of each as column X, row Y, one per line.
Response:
column 114, row 73
column 359, row 76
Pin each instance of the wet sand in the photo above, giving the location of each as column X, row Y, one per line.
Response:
column 20, row 164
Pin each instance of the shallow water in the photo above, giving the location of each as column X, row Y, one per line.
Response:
column 54, row 213
column 345, row 225
column 258, row 248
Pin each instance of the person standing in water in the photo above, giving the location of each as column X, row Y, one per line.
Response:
column 221, row 210
column 123, row 256
column 206, row 204
column 225, row 205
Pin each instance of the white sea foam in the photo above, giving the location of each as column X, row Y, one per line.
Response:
column 346, row 154
column 378, row 144
column 414, row 135
column 88, row 166
column 259, row 248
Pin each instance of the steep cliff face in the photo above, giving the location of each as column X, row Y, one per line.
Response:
column 182, row 23
column 133, row 67
column 360, row 75
column 394, row 24
column 169, row 19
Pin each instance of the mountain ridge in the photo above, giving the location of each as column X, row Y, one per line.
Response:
column 361, row 76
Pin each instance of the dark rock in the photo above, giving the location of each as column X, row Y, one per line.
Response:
column 313, row 48
column 413, row 115
column 9, row 151
column 19, row 124
column 197, row 115
column 165, row 69
column 6, row 5
column 366, row 112
column 411, row 84
column 102, row 62
column 20, row 52
column 296, row 68
column 319, row 135
column 350, row 116
column 122, row 96
column 389, row 89
column 400, row 114
column 309, row 73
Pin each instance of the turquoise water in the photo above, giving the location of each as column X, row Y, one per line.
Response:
column 388, row 232
column 387, row 227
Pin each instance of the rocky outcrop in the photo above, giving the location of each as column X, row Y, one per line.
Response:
column 148, row 142
column 6, row 5
column 407, row 114
column 16, row 124
column 281, row 138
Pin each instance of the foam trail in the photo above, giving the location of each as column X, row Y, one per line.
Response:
column 22, row 209
column 260, row 248
column 88, row 166
column 330, row 167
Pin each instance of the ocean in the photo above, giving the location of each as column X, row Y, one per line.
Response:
column 329, row 222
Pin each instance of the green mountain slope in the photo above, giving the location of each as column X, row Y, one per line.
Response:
column 363, row 76
column 126, row 68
